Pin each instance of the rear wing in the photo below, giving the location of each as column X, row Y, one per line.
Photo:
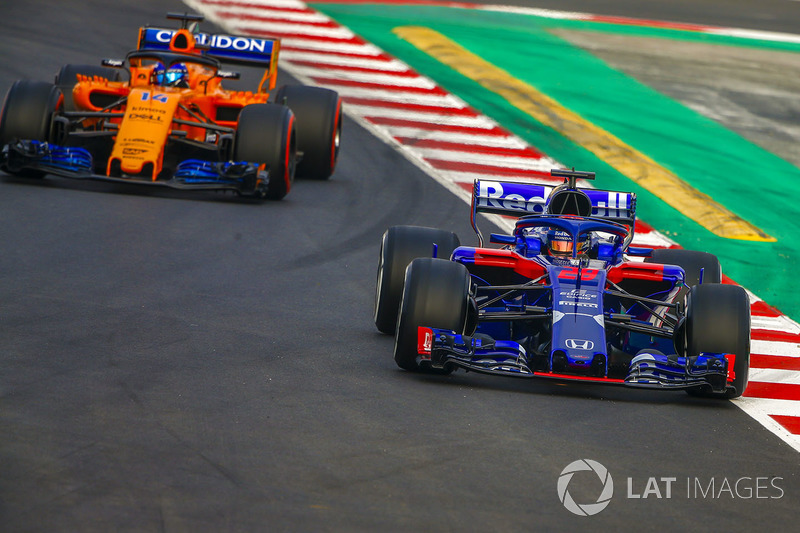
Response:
column 520, row 199
column 235, row 49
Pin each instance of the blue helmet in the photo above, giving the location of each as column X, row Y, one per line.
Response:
column 175, row 76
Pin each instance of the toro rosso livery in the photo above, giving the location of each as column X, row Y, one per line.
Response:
column 562, row 297
column 162, row 117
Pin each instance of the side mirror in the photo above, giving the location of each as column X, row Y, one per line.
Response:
column 639, row 252
column 502, row 239
column 113, row 63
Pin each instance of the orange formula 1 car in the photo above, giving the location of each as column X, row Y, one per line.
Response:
column 172, row 123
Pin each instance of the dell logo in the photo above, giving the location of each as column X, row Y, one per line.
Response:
column 579, row 344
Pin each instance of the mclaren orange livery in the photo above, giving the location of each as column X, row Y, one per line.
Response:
column 162, row 117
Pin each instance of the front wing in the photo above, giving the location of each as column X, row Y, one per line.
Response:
column 442, row 348
column 244, row 178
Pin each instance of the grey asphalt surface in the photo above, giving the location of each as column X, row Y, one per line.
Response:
column 179, row 362
column 753, row 92
column 768, row 15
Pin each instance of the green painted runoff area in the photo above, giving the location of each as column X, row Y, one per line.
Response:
column 748, row 180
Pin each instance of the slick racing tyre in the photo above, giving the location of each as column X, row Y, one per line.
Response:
column 28, row 111
column 718, row 321
column 266, row 135
column 67, row 77
column 399, row 246
column 28, row 114
column 435, row 294
column 691, row 262
column 318, row 115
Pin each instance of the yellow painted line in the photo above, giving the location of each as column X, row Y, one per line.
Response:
column 624, row 158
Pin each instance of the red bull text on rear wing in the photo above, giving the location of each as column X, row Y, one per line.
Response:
column 520, row 199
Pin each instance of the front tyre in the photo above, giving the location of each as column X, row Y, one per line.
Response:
column 399, row 246
column 718, row 321
column 28, row 111
column 318, row 113
column 435, row 294
column 28, row 115
column 266, row 135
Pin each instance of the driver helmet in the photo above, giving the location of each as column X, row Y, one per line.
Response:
column 175, row 76
column 559, row 244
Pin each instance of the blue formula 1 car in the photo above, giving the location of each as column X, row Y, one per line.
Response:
column 562, row 297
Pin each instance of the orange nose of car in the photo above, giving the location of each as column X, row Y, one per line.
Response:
column 143, row 132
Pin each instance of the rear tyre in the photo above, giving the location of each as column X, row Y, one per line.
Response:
column 435, row 294
column 67, row 77
column 718, row 321
column 399, row 246
column 28, row 115
column 318, row 113
column 691, row 262
column 265, row 135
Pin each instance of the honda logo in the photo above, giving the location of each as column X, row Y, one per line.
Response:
column 579, row 344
